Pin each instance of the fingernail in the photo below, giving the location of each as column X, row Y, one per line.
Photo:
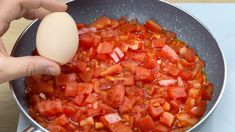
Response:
column 52, row 71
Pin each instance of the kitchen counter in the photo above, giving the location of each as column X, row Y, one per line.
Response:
column 8, row 110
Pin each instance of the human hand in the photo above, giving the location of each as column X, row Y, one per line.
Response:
column 16, row 67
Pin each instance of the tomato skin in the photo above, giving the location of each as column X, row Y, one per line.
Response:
column 167, row 119
column 153, row 26
column 146, row 123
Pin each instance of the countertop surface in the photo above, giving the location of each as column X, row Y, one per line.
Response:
column 9, row 112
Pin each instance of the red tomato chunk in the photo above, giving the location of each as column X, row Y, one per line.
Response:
column 125, row 77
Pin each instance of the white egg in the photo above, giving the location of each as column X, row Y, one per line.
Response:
column 57, row 37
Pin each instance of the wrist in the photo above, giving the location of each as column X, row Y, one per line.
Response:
column 3, row 28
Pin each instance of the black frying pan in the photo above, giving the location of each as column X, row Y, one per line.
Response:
column 170, row 17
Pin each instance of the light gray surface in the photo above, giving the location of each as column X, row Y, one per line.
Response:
column 223, row 118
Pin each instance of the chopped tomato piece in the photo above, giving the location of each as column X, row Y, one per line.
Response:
column 161, row 128
column 81, row 65
column 153, row 26
column 127, row 105
column 56, row 128
column 102, row 22
column 88, row 40
column 116, row 127
column 69, row 110
column 116, row 96
column 185, row 74
column 105, row 48
column 63, row 79
column 146, row 123
column 207, row 91
column 139, row 56
column 150, row 63
column 176, row 92
column 188, row 54
column 169, row 53
column 91, row 98
column 78, row 100
column 86, row 75
column 171, row 69
column 84, row 88
column 143, row 74
column 167, row 119
column 115, row 69
column 71, row 89
column 155, row 112
column 159, row 43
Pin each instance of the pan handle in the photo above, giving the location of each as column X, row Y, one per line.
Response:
column 31, row 129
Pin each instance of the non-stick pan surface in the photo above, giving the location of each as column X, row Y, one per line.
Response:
column 170, row 17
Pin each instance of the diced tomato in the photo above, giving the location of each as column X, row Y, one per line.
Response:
column 116, row 96
column 80, row 25
column 207, row 91
column 161, row 128
column 78, row 100
column 93, row 112
column 130, row 65
column 188, row 54
column 194, row 92
column 87, row 40
column 186, row 118
column 167, row 119
column 168, row 82
column 78, row 116
column 155, row 112
column 166, row 106
column 143, row 74
column 150, row 63
column 61, row 120
column 139, row 56
column 169, row 53
column 56, row 128
column 86, row 75
column 146, row 123
column 49, row 108
column 91, row 98
column 92, row 53
column 171, row 69
column 115, row 69
column 127, row 104
column 105, row 48
column 153, row 26
column 71, row 89
column 106, row 108
column 199, row 109
column 69, row 110
column 84, row 88
column 126, row 78
column 185, row 74
column 63, row 79
column 159, row 43
column 102, row 57
column 127, row 28
column 176, row 92
column 81, row 65
column 116, row 127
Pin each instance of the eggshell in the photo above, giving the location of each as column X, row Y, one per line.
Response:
column 57, row 37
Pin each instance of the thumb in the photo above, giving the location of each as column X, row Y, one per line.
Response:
column 17, row 67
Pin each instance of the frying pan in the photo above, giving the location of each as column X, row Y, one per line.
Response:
column 170, row 17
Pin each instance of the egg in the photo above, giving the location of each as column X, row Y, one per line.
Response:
column 57, row 37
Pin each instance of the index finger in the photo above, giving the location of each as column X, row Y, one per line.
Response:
column 51, row 5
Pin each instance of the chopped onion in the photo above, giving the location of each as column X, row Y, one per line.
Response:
column 112, row 118
column 87, row 30
column 167, row 82
column 87, row 121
